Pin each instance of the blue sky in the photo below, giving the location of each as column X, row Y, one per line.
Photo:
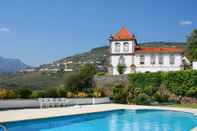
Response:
column 41, row 31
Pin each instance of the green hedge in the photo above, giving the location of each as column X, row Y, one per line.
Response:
column 144, row 88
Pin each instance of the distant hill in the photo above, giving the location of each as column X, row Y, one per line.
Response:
column 99, row 56
column 8, row 65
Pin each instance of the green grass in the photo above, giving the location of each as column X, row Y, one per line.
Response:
column 184, row 105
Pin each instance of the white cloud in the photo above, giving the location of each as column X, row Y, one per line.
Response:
column 4, row 29
column 185, row 23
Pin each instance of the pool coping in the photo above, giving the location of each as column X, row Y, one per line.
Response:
column 33, row 114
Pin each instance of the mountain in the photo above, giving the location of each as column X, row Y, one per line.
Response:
column 99, row 56
column 8, row 65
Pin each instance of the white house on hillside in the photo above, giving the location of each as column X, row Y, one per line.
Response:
column 124, row 50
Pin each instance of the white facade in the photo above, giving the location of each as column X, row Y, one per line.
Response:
column 194, row 65
column 140, row 61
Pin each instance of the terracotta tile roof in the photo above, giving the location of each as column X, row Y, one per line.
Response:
column 123, row 34
column 158, row 49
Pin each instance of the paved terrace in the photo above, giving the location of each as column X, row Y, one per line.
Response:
column 27, row 114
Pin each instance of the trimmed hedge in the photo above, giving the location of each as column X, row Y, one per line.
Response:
column 144, row 88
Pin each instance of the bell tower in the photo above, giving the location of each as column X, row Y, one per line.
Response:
column 122, row 48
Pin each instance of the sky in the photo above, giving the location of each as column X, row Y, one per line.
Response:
column 41, row 31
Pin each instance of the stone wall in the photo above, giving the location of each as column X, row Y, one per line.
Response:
column 109, row 81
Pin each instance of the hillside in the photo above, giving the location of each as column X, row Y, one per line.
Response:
column 99, row 56
column 40, row 80
column 8, row 65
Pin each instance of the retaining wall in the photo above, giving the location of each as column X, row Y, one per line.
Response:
column 34, row 103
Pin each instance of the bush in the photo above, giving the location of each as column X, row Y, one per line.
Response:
column 82, row 94
column 149, row 90
column 160, row 97
column 12, row 94
column 100, row 73
column 38, row 94
column 82, row 81
column 70, row 94
column 181, row 83
column 192, row 92
column 121, row 68
column 98, row 92
column 3, row 93
column 142, row 99
column 142, row 80
column 24, row 92
column 60, row 91
column 119, row 94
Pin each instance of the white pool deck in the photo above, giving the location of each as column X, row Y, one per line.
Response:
column 29, row 114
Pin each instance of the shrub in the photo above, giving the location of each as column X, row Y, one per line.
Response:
column 149, row 90
column 192, row 92
column 60, row 91
column 142, row 99
column 82, row 94
column 3, row 93
column 121, row 68
column 142, row 80
column 70, row 94
column 81, row 81
column 119, row 94
column 181, row 83
column 38, row 94
column 160, row 97
column 12, row 94
column 98, row 92
column 24, row 92
column 100, row 73
column 51, row 92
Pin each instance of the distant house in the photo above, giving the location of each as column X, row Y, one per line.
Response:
column 124, row 50
column 28, row 70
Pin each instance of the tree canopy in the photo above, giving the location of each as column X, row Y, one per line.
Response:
column 192, row 46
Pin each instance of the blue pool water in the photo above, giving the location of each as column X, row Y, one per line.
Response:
column 120, row 120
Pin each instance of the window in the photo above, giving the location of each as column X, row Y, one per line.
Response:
column 172, row 59
column 117, row 47
column 152, row 59
column 126, row 47
column 160, row 59
column 142, row 59
column 121, row 60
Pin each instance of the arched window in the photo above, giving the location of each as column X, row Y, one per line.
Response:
column 172, row 59
column 142, row 59
column 121, row 60
column 126, row 47
column 152, row 59
column 160, row 59
column 117, row 47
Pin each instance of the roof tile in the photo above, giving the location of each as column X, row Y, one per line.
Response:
column 123, row 34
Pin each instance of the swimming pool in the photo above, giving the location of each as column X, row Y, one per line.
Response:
column 119, row 120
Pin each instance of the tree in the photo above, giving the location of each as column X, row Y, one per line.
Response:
column 119, row 94
column 181, row 83
column 191, row 49
column 82, row 80
column 61, row 71
column 24, row 92
column 87, row 72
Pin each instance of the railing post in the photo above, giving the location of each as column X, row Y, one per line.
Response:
column 93, row 101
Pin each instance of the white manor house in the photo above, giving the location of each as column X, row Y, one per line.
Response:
column 125, row 51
